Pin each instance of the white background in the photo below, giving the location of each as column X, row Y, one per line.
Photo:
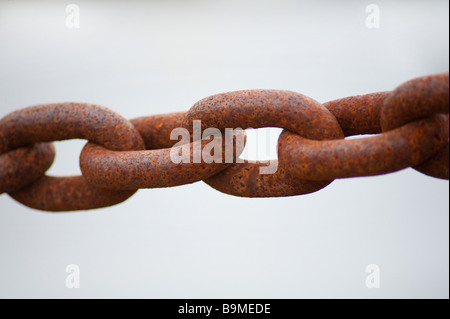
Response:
column 150, row 57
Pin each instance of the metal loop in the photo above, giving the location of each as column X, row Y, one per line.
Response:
column 61, row 121
column 411, row 125
column 384, row 153
column 358, row 114
column 264, row 108
column 155, row 129
column 25, row 165
column 416, row 99
column 69, row 193
column 151, row 168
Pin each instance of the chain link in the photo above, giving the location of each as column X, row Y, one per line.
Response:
column 411, row 125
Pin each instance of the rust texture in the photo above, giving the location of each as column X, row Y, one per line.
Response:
column 410, row 127
column 415, row 99
column 70, row 193
column 245, row 180
column 403, row 147
column 61, row 121
column 22, row 166
column 409, row 145
column 156, row 129
column 151, row 168
column 437, row 166
column 292, row 111
column 358, row 114
column 264, row 108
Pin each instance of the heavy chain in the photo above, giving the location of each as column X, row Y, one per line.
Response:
column 410, row 124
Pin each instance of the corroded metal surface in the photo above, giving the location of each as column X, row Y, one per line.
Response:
column 292, row 111
column 152, row 168
column 67, row 194
column 245, row 180
column 437, row 166
column 358, row 114
column 22, row 166
column 411, row 127
column 265, row 108
column 416, row 99
column 403, row 147
column 156, row 129
column 61, row 121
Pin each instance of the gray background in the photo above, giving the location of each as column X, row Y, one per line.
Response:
column 141, row 58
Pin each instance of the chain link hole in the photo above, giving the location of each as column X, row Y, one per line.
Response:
column 67, row 158
column 261, row 144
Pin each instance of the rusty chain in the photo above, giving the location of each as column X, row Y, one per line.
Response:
column 410, row 124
